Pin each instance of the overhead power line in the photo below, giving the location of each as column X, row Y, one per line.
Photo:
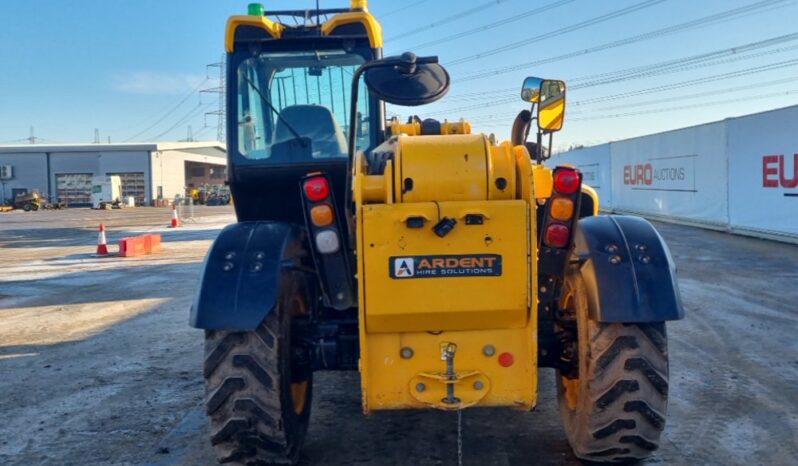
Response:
column 686, row 107
column 717, row 57
column 202, row 132
column 698, row 95
column 462, row 14
column 681, row 97
column 405, row 7
column 193, row 113
column 493, row 25
column 192, row 92
column 558, row 32
column 737, row 53
column 728, row 15
column 662, row 88
column 691, row 82
column 692, row 62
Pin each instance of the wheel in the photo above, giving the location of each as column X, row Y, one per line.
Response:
column 257, row 398
column 27, row 207
column 614, row 411
column 35, row 206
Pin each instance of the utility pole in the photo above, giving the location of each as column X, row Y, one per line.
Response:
column 220, row 91
column 96, row 135
column 189, row 135
column 32, row 139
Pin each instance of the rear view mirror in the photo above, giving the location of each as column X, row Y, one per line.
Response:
column 551, row 108
column 549, row 94
column 407, row 80
column 530, row 91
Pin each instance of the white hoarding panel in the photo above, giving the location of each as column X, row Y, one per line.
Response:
column 679, row 174
column 594, row 163
column 763, row 171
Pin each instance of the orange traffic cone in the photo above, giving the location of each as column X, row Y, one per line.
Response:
column 102, row 244
column 175, row 220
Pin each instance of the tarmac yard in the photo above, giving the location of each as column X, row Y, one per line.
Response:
column 99, row 366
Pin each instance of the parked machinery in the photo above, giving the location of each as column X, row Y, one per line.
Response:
column 28, row 201
column 444, row 267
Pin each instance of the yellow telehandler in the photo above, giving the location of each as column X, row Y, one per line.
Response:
column 446, row 268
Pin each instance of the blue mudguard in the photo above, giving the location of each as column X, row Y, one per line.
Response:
column 628, row 270
column 242, row 274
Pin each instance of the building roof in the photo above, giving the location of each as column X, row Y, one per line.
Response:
column 120, row 147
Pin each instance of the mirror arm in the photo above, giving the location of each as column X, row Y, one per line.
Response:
column 407, row 62
column 351, row 152
column 539, row 149
column 529, row 127
column 353, row 112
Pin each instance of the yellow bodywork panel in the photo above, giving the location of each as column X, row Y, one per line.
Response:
column 392, row 382
column 475, row 169
column 422, row 160
column 429, row 294
column 372, row 26
column 594, row 195
column 543, row 181
column 419, row 292
column 274, row 29
column 414, row 127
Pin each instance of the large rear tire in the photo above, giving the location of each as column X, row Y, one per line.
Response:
column 257, row 398
column 615, row 410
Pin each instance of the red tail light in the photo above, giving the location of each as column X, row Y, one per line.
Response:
column 317, row 189
column 566, row 180
column 557, row 235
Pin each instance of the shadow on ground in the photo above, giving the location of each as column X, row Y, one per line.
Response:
column 73, row 236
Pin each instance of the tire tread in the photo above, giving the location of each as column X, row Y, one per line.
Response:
column 246, row 399
column 623, row 399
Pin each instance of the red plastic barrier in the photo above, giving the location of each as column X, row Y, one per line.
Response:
column 152, row 243
column 132, row 246
column 139, row 245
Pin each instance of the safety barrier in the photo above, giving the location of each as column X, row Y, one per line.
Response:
column 738, row 175
column 139, row 245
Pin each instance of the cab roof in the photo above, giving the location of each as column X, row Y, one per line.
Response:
column 258, row 25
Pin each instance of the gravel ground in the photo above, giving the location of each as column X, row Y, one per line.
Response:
column 100, row 367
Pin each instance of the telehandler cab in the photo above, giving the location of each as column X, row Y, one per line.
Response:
column 446, row 268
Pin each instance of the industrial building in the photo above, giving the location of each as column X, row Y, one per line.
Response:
column 149, row 171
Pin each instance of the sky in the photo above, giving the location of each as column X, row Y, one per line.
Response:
column 134, row 70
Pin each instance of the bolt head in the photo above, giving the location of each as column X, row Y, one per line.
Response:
column 257, row 266
column 420, row 387
column 645, row 259
column 227, row 266
column 488, row 350
column 478, row 385
column 615, row 260
column 260, row 255
column 611, row 248
column 230, row 255
column 406, row 352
